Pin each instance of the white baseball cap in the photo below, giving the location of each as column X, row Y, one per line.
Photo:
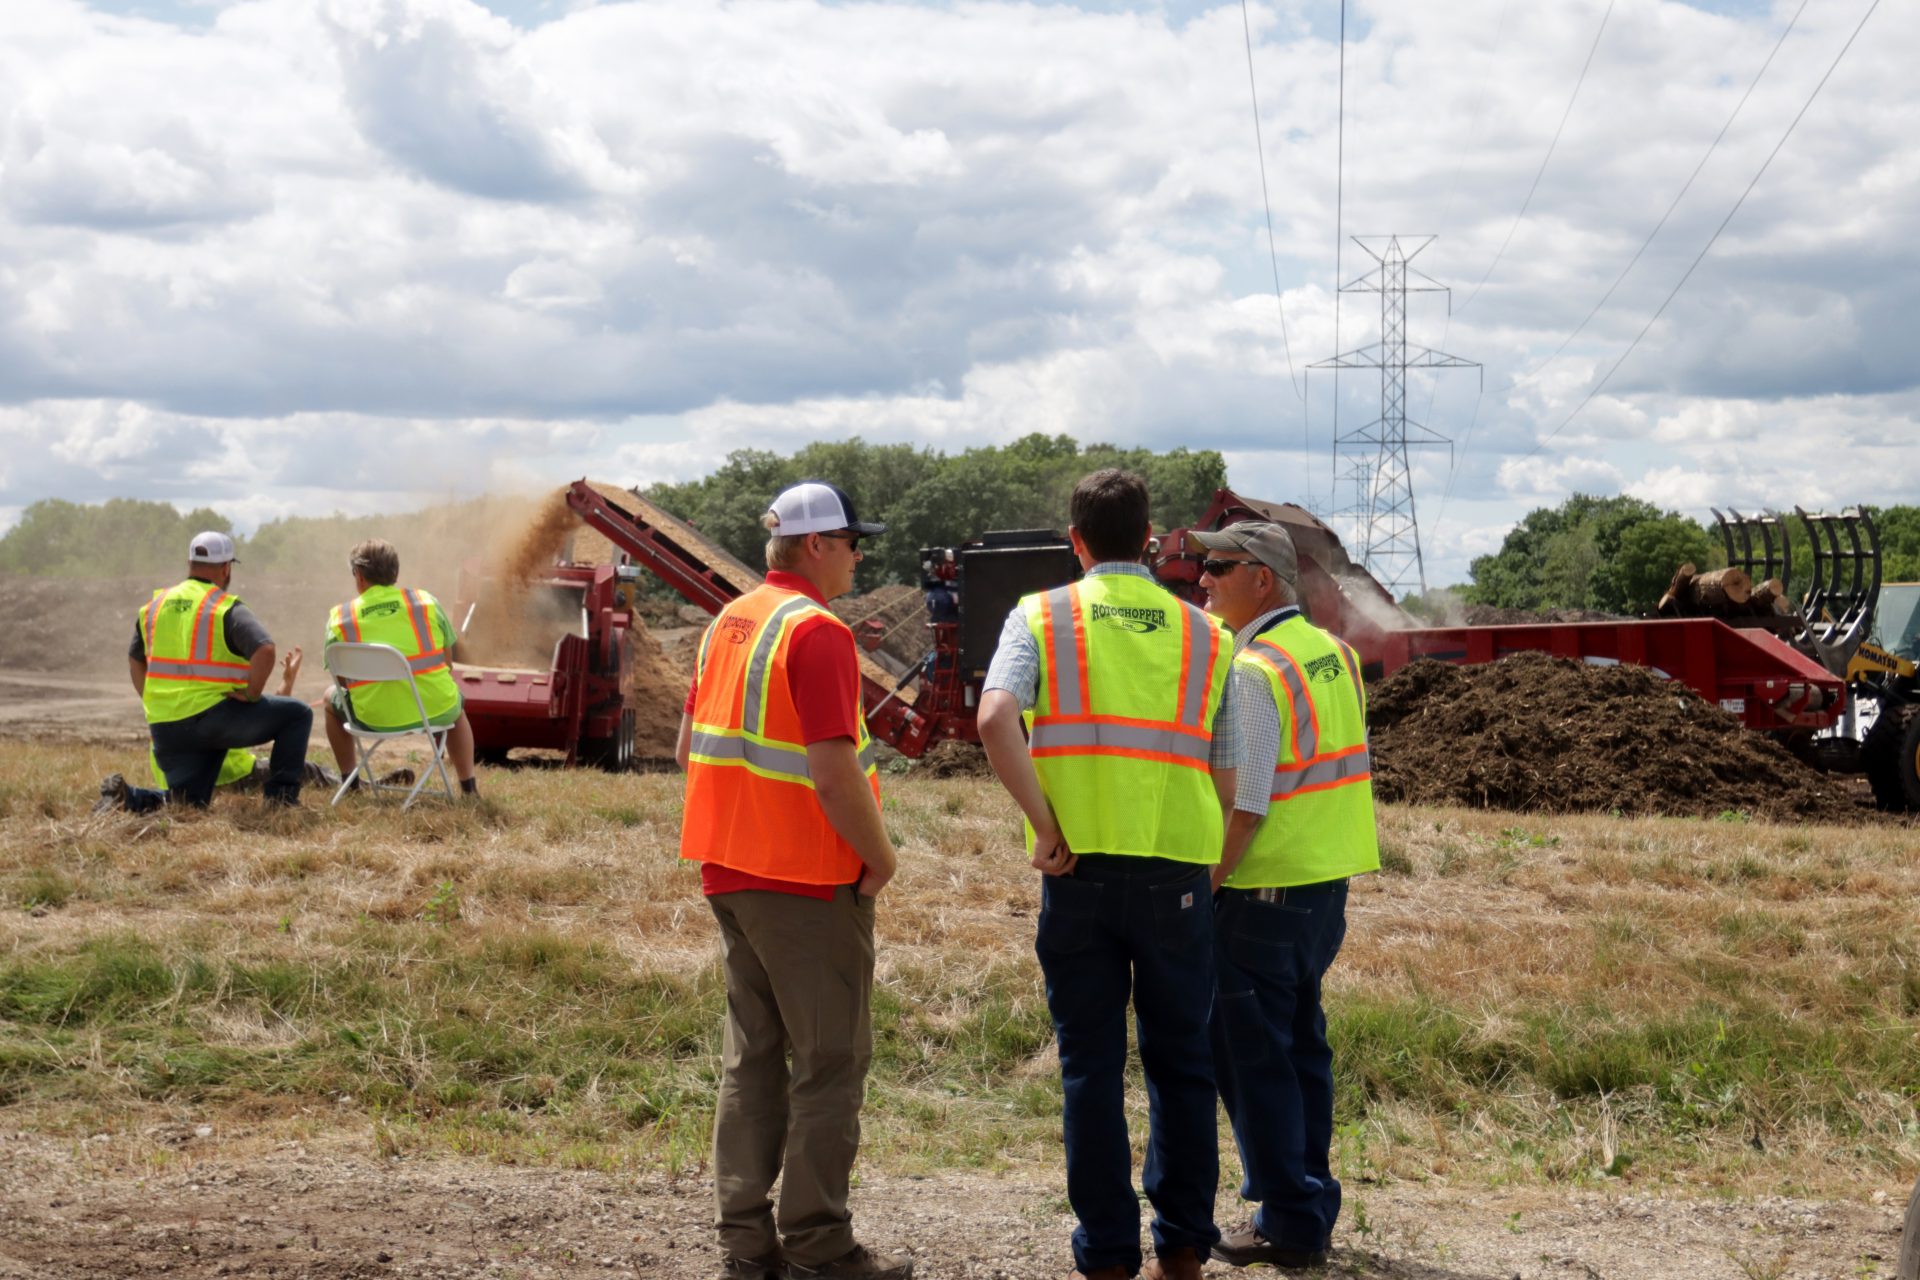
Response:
column 814, row 506
column 211, row 547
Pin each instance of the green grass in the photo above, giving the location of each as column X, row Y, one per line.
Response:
column 535, row 980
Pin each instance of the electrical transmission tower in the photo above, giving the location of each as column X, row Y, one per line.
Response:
column 1353, row 517
column 1390, row 547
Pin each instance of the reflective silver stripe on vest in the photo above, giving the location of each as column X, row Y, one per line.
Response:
column 788, row 761
column 422, row 624
column 762, row 659
column 1127, row 737
column 868, row 757
column 427, row 662
column 1321, row 772
column 1306, row 735
column 167, row 669
column 153, row 617
column 349, row 621
column 1065, row 658
column 203, row 624
column 1193, row 698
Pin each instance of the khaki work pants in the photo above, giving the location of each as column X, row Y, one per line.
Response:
column 799, row 981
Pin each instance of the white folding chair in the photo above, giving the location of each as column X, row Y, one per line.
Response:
column 381, row 664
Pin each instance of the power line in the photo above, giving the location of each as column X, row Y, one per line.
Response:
column 1701, row 256
column 1273, row 253
column 1681, row 195
column 1339, row 232
column 1544, row 160
column 1466, row 442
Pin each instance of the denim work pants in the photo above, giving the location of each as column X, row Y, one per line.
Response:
column 799, row 983
column 1270, row 1050
column 191, row 751
column 1144, row 926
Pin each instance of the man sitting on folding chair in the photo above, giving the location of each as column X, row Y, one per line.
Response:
column 413, row 622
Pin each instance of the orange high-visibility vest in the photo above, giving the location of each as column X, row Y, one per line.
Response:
column 751, row 805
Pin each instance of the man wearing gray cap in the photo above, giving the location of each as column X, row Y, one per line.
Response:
column 1302, row 823
column 200, row 662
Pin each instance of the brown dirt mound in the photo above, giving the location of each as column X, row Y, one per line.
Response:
column 955, row 760
column 1536, row 733
column 1486, row 615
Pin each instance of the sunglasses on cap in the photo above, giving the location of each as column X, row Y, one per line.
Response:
column 1221, row 568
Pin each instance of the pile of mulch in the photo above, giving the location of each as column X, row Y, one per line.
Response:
column 1486, row 615
column 1536, row 733
column 954, row 759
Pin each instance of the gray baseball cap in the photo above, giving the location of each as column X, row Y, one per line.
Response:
column 1262, row 539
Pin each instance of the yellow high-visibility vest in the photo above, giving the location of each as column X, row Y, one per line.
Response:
column 189, row 667
column 1321, row 824
column 1130, row 680
column 405, row 619
column 237, row 765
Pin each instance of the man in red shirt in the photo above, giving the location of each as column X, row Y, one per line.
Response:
column 783, row 815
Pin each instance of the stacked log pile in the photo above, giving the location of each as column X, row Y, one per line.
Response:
column 1725, row 593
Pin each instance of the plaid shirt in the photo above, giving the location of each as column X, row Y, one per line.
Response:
column 1016, row 670
column 1260, row 720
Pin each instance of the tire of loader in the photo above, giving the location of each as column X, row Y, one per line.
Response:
column 1891, row 754
column 614, row 754
column 1909, row 1266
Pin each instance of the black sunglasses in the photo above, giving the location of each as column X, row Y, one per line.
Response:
column 1221, row 568
column 847, row 536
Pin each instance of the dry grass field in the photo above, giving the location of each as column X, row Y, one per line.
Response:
column 1525, row 1006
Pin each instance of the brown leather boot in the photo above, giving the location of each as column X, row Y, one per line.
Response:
column 1181, row 1264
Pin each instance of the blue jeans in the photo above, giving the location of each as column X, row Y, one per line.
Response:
column 1139, row 926
column 191, row 751
column 1270, row 1050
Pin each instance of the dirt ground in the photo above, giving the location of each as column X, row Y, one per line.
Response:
column 333, row 1210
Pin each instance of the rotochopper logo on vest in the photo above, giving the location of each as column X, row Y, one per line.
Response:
column 1325, row 670
column 1139, row 621
column 383, row 609
column 736, row 630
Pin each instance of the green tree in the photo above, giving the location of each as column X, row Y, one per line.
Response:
column 932, row 499
column 1651, row 550
column 121, row 535
column 1573, row 557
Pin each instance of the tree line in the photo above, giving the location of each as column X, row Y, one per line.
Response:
column 1618, row 554
column 926, row 498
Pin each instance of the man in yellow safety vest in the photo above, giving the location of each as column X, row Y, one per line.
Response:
column 200, row 662
column 1302, row 823
column 416, row 624
column 1131, row 757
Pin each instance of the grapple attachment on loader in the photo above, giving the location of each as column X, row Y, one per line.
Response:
column 1846, row 581
column 1772, row 558
column 1836, row 613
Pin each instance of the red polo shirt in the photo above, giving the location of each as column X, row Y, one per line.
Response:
column 823, row 672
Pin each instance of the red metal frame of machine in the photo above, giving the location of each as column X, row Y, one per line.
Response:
column 578, row 706
column 1753, row 674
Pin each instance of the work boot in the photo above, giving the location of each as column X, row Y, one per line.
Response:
column 1247, row 1246
column 113, row 794
column 1181, row 1264
column 855, row 1262
column 766, row 1267
column 401, row 777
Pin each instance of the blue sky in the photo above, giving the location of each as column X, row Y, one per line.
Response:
column 304, row 255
